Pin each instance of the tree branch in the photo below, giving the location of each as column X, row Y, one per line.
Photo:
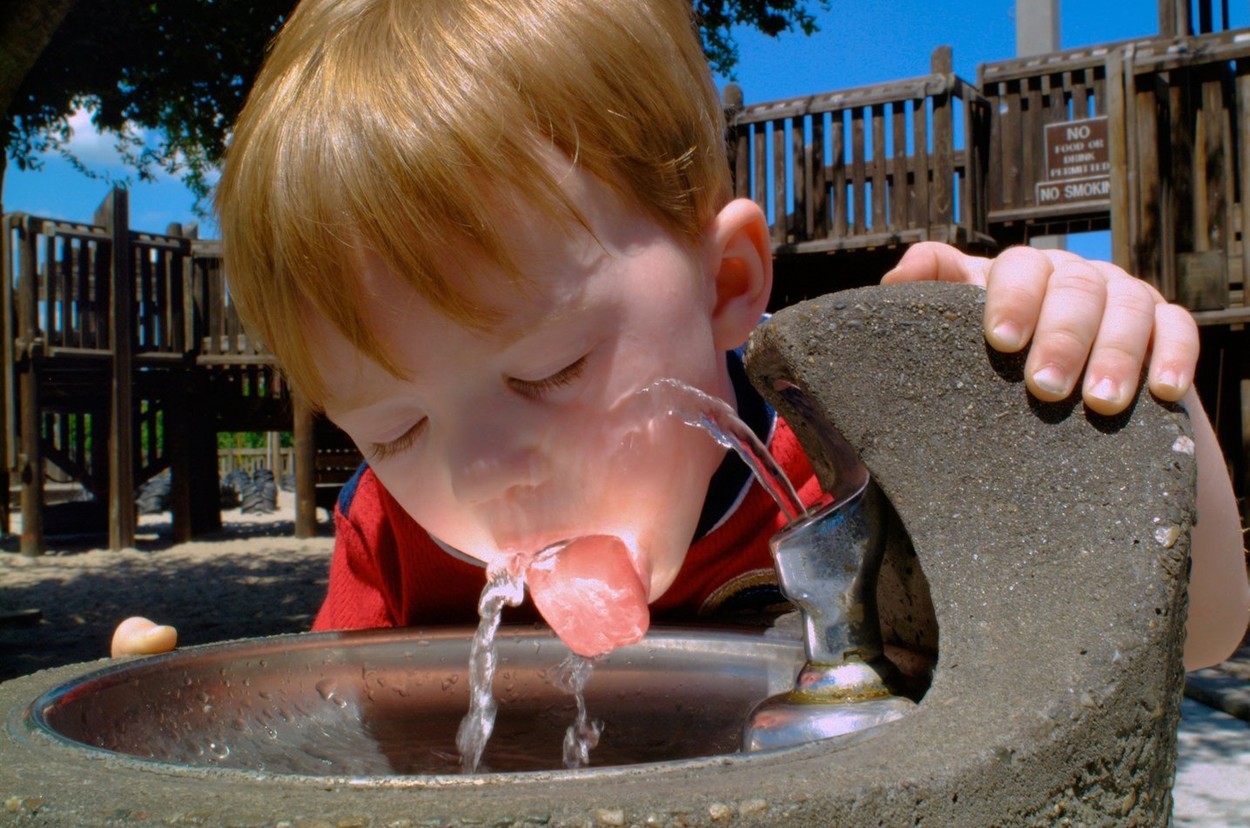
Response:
column 26, row 26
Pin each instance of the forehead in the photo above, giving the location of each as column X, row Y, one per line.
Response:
column 547, row 252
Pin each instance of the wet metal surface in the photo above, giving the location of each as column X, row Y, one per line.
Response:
column 378, row 704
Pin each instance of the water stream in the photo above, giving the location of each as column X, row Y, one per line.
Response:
column 506, row 584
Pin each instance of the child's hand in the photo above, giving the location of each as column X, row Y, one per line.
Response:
column 1079, row 314
column 139, row 636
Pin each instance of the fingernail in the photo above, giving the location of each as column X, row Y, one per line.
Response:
column 1169, row 379
column 1007, row 335
column 1050, row 380
column 1105, row 390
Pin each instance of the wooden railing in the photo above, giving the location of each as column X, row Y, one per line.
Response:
column 1177, row 158
column 280, row 461
column 108, row 333
column 867, row 167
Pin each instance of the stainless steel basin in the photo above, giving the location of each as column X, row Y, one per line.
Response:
column 385, row 703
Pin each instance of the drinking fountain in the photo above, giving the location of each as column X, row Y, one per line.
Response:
column 1045, row 562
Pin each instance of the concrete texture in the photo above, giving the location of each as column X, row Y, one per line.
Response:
column 1054, row 545
column 1053, row 542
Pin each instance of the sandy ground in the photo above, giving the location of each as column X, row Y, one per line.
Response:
column 253, row 578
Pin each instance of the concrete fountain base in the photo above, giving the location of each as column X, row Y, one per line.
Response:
column 1054, row 545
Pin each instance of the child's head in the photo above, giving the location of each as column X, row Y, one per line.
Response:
column 398, row 125
column 470, row 230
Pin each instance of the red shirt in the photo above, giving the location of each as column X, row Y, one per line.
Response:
column 388, row 572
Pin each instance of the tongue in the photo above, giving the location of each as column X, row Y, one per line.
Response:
column 591, row 595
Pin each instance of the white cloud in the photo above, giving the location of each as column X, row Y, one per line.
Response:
column 98, row 150
column 89, row 145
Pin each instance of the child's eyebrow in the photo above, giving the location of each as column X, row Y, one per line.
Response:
column 509, row 334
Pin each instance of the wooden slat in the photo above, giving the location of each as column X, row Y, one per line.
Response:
column 778, row 143
column 146, row 304
column 760, row 177
column 819, row 201
column 1030, row 126
column 1242, row 110
column 801, row 222
column 1117, row 154
column 1181, row 149
column 859, row 201
column 920, row 172
column 1217, row 144
column 742, row 162
column 878, row 168
column 1149, row 232
column 1131, row 161
column 899, row 214
column 942, row 198
column 82, row 290
column 837, row 174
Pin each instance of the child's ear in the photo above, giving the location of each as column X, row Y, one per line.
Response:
column 738, row 256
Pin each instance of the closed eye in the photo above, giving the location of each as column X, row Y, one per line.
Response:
column 381, row 451
column 536, row 389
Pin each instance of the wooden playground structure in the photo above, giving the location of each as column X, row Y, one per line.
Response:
column 123, row 357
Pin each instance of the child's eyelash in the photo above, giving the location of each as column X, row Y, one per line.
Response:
column 533, row 389
column 381, row 451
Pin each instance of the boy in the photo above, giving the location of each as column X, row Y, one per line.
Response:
column 471, row 232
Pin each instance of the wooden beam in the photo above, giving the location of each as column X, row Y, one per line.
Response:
column 1121, row 240
column 305, row 471
column 943, row 209
column 1243, row 165
column 28, row 348
column 114, row 216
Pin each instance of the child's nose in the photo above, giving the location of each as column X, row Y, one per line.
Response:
column 488, row 461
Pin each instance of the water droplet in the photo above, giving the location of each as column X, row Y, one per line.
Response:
column 218, row 749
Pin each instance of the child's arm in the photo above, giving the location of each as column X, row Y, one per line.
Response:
column 1094, row 319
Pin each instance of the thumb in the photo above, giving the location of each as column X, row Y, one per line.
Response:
column 139, row 636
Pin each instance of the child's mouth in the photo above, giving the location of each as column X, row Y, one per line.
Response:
column 590, row 591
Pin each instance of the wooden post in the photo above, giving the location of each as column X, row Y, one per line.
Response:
column 1243, row 169
column 28, row 351
column 1174, row 18
column 8, row 449
column 305, row 470
column 735, row 139
column 1121, row 242
column 1132, row 198
column 178, row 425
column 943, row 147
column 181, row 500
column 114, row 216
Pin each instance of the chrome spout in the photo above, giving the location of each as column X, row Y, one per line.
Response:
column 827, row 564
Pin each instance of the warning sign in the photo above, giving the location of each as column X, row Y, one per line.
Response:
column 1078, row 165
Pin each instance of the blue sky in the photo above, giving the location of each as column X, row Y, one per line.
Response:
column 859, row 43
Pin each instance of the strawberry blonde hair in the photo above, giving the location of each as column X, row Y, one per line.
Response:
column 394, row 126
